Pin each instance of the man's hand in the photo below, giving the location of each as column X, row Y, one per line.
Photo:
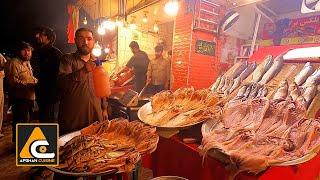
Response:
column 35, row 80
column 148, row 80
column 90, row 66
column 2, row 74
column 105, row 114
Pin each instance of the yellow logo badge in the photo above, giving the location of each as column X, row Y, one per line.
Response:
column 37, row 144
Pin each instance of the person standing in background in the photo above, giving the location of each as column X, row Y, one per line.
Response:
column 2, row 64
column 47, row 61
column 21, row 86
column 158, row 72
column 139, row 63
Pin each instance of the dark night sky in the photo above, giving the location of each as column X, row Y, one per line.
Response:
column 19, row 18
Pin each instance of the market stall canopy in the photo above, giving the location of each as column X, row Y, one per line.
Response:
column 111, row 8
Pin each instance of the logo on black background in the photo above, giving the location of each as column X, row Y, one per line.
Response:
column 37, row 144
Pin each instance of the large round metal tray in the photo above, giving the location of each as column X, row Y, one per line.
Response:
column 222, row 156
column 61, row 142
column 146, row 110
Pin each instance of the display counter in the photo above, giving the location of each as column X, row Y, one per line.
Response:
column 174, row 157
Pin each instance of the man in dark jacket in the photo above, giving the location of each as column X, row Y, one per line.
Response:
column 139, row 63
column 47, row 65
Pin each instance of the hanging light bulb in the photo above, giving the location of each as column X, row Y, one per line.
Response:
column 85, row 22
column 96, row 51
column 101, row 30
column 119, row 22
column 156, row 27
column 107, row 50
column 133, row 25
column 109, row 25
column 145, row 17
column 171, row 7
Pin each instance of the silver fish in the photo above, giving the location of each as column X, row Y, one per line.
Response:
column 221, row 84
column 303, row 74
column 273, row 71
column 226, row 84
column 254, row 91
column 236, row 84
column 259, row 92
column 216, row 84
column 249, row 69
column 282, row 91
column 264, row 91
column 314, row 78
column 294, row 91
column 242, row 90
column 262, row 68
column 247, row 92
column 300, row 100
column 239, row 70
column 310, row 93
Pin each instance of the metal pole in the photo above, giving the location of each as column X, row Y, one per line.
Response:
column 253, row 43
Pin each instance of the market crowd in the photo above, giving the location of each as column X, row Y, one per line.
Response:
column 61, row 85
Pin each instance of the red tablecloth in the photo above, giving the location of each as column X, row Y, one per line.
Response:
column 173, row 157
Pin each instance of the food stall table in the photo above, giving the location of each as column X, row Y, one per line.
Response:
column 174, row 157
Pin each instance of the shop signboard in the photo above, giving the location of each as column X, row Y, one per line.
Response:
column 205, row 47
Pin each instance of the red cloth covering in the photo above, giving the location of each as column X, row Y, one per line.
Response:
column 73, row 14
column 173, row 157
column 275, row 51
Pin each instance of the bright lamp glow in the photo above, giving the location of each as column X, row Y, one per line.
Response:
column 303, row 53
column 156, row 27
column 119, row 23
column 85, row 22
column 145, row 18
column 101, row 30
column 133, row 26
column 171, row 7
column 96, row 51
column 109, row 25
column 106, row 50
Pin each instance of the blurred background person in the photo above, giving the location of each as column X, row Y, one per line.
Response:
column 21, row 86
column 158, row 72
column 47, row 61
column 2, row 64
column 139, row 63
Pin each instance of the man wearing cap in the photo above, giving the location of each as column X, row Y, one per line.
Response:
column 139, row 63
column 47, row 60
column 21, row 85
column 158, row 72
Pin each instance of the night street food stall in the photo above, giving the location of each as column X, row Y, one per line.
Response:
column 244, row 99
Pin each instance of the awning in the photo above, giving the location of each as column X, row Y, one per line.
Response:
column 112, row 8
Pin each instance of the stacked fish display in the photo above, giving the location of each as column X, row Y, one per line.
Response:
column 257, row 88
column 116, row 144
column 232, row 79
column 254, row 132
column 258, row 133
column 259, row 75
column 304, row 87
column 183, row 107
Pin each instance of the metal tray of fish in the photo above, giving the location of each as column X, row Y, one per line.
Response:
column 61, row 142
column 224, row 157
column 145, row 114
